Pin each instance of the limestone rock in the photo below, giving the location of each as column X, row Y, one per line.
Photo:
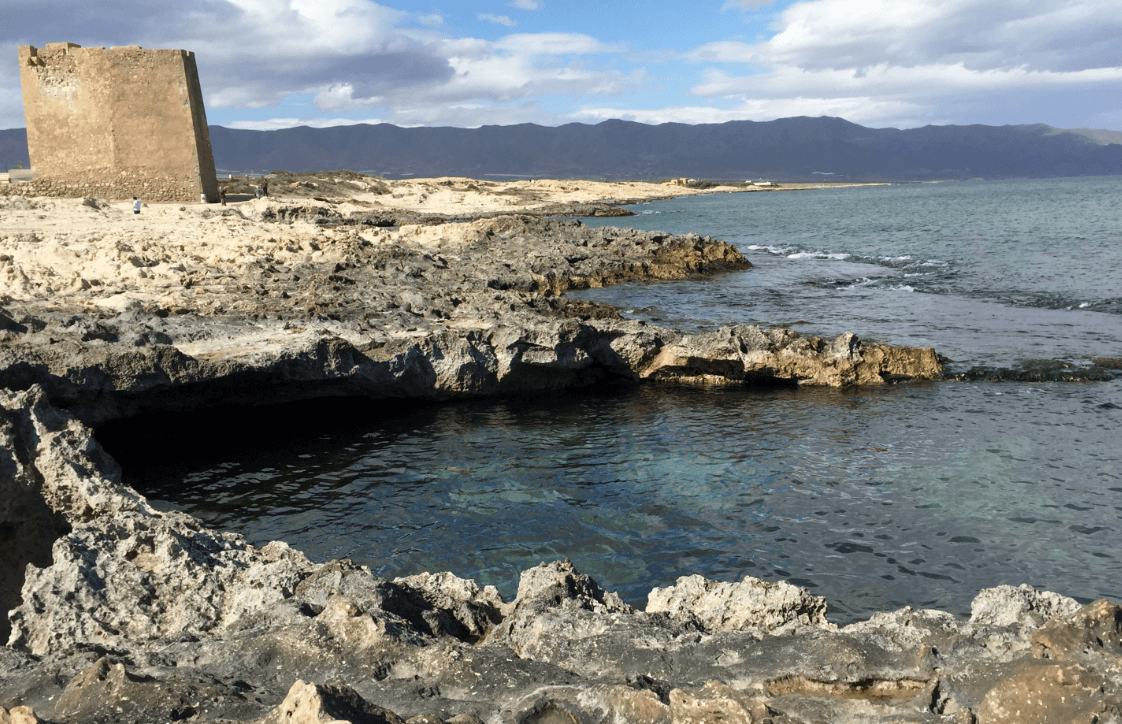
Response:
column 1095, row 629
column 327, row 704
column 710, row 703
column 108, row 690
column 752, row 603
column 153, row 575
column 552, row 600
column 1018, row 606
column 433, row 312
column 476, row 610
column 561, row 584
column 628, row 704
column 18, row 715
column 1040, row 693
column 740, row 354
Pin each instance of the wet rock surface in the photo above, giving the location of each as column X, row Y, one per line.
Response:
column 147, row 616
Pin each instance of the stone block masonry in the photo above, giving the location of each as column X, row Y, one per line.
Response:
column 115, row 123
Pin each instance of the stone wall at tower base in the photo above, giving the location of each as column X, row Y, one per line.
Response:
column 147, row 188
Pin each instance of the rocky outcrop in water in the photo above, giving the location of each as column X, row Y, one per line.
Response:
column 433, row 312
column 142, row 616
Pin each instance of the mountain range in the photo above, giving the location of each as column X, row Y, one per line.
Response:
column 790, row 149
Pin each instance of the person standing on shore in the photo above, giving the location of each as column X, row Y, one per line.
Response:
column 265, row 187
column 222, row 196
column 135, row 205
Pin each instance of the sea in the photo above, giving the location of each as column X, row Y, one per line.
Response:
column 911, row 494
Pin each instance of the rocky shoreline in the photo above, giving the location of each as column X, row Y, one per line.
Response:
column 121, row 613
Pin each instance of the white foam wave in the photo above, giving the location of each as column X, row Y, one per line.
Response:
column 778, row 250
column 817, row 255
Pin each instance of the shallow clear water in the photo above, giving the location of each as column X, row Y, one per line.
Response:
column 916, row 494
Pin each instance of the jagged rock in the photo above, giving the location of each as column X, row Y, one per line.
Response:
column 552, row 591
column 108, row 691
column 147, row 575
column 1095, row 629
column 1040, row 693
column 18, row 715
column 908, row 629
column 628, row 704
column 560, row 584
column 327, row 704
column 752, row 603
column 740, row 354
column 1018, row 606
column 477, row 611
column 432, row 312
column 710, row 703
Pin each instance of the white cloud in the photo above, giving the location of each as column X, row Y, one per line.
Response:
column 497, row 19
column 980, row 34
column 346, row 55
column 894, row 81
column 932, row 57
column 882, row 62
column 555, row 44
column 725, row 51
column 273, row 124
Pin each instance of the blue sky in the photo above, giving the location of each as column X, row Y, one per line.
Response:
column 900, row 63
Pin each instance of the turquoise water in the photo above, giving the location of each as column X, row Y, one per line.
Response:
column 914, row 494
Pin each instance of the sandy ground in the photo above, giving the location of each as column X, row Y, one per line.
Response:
column 468, row 196
column 100, row 254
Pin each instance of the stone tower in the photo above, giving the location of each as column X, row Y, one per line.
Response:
column 116, row 123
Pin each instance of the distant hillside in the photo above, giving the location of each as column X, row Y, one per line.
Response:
column 13, row 148
column 789, row 148
column 785, row 149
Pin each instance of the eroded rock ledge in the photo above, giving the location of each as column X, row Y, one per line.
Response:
column 235, row 308
column 143, row 616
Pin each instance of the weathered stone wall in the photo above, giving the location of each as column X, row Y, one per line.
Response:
column 115, row 123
